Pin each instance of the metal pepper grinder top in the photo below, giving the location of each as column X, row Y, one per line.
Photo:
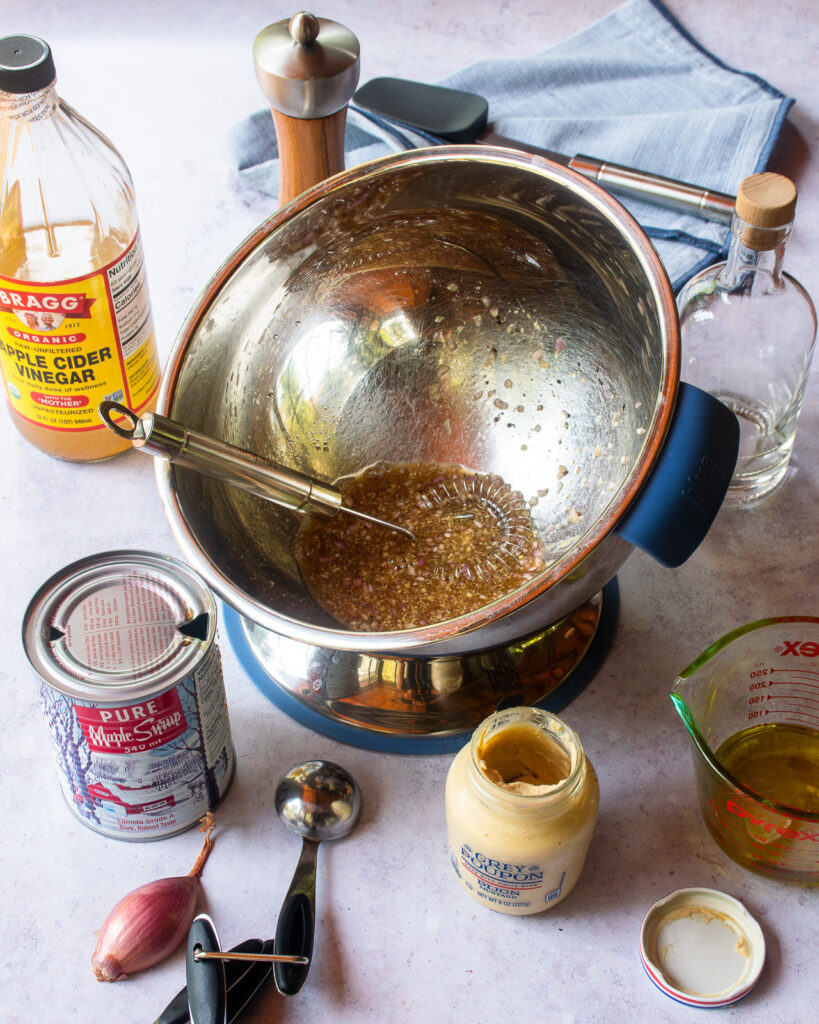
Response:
column 308, row 70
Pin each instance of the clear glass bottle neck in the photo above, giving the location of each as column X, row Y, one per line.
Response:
column 754, row 249
column 29, row 107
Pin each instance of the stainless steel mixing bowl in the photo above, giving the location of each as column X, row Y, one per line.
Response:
column 466, row 305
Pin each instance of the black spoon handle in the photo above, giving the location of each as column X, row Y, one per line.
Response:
column 297, row 922
column 176, row 1012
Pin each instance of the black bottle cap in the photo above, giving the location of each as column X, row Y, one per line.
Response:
column 26, row 64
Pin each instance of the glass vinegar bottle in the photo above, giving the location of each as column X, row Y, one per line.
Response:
column 748, row 331
column 75, row 316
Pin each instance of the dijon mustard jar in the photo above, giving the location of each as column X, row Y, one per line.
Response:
column 521, row 805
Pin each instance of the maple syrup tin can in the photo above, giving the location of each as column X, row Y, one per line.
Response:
column 124, row 645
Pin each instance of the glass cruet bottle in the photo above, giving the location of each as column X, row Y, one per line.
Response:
column 75, row 315
column 748, row 331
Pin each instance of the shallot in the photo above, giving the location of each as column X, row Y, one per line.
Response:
column 148, row 924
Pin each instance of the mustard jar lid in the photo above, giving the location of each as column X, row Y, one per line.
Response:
column 702, row 947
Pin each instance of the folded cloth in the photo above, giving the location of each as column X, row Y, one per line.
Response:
column 635, row 88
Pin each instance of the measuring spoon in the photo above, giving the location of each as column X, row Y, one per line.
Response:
column 319, row 801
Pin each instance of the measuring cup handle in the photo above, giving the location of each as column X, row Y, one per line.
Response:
column 673, row 512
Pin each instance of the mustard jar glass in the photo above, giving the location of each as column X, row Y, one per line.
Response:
column 521, row 805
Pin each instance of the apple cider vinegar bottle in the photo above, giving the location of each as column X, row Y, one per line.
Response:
column 75, row 314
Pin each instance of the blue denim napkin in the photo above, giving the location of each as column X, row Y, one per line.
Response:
column 635, row 88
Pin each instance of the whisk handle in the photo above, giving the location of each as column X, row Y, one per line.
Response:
column 167, row 439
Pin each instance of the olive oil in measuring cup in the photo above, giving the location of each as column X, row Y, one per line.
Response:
column 749, row 704
column 779, row 761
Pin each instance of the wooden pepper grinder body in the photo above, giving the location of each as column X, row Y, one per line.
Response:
column 308, row 70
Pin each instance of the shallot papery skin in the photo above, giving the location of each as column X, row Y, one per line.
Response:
column 145, row 927
column 148, row 924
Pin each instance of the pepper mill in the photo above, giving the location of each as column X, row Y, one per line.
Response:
column 308, row 70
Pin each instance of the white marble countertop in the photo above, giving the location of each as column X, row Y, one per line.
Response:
column 396, row 937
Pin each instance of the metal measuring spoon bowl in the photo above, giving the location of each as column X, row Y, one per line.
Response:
column 319, row 801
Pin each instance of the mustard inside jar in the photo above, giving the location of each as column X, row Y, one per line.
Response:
column 521, row 805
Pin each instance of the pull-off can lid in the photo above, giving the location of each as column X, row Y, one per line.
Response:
column 26, row 64
column 119, row 625
column 702, row 947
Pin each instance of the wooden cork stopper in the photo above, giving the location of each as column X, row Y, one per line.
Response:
column 766, row 200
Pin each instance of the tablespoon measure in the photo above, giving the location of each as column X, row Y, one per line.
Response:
column 319, row 801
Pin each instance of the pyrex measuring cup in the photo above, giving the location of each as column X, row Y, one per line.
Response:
column 750, row 704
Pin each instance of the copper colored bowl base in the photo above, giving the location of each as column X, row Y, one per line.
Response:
column 424, row 705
